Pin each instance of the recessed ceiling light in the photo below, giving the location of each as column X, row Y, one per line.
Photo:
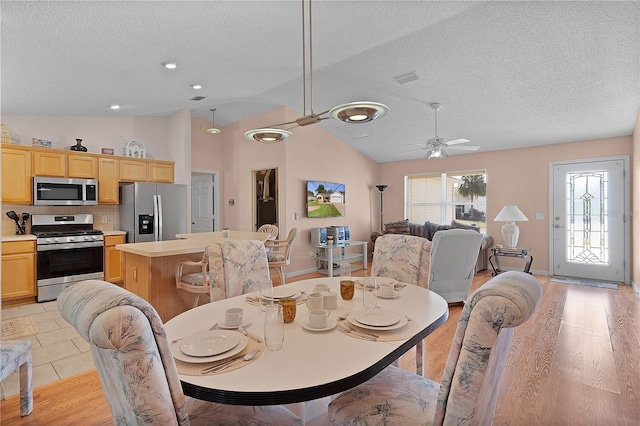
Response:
column 115, row 107
column 196, row 86
column 170, row 65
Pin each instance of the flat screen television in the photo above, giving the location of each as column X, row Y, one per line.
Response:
column 325, row 199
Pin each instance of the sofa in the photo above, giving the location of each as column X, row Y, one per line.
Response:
column 428, row 229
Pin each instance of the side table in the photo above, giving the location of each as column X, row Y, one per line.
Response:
column 522, row 253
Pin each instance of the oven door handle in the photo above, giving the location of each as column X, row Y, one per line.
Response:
column 69, row 246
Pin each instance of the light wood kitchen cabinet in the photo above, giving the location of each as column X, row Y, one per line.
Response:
column 108, row 181
column 113, row 259
column 82, row 166
column 132, row 170
column 49, row 164
column 160, row 172
column 16, row 176
column 18, row 269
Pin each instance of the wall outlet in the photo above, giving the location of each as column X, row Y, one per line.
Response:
column 105, row 219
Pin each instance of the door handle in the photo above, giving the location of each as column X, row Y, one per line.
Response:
column 558, row 226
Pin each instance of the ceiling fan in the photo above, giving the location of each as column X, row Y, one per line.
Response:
column 435, row 147
column 352, row 112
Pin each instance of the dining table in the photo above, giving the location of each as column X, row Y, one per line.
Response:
column 310, row 364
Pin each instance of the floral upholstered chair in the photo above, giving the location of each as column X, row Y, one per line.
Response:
column 404, row 258
column 14, row 355
column 136, row 366
column 472, row 374
column 236, row 267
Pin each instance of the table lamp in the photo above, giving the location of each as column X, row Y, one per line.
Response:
column 510, row 231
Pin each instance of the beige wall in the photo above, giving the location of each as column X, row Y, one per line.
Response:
column 516, row 176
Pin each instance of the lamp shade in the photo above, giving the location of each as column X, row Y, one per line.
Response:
column 510, row 231
column 510, row 214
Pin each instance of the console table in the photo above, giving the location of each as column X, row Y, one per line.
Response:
column 325, row 255
column 522, row 253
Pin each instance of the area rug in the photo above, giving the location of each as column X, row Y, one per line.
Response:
column 18, row 327
column 583, row 281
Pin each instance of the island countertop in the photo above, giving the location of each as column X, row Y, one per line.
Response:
column 187, row 244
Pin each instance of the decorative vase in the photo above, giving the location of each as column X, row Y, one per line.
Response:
column 78, row 146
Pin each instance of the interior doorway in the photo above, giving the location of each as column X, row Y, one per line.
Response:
column 589, row 224
column 265, row 197
column 205, row 203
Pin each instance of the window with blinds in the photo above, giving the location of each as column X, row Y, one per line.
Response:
column 443, row 197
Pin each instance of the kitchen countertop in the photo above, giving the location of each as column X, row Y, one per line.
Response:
column 108, row 233
column 26, row 237
column 188, row 244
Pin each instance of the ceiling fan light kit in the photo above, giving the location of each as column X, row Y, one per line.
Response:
column 352, row 112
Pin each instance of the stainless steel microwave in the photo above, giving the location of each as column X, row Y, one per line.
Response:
column 50, row 191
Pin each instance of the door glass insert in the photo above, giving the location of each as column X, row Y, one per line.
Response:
column 587, row 221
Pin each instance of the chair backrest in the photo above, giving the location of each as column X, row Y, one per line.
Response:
column 453, row 257
column 272, row 230
column 130, row 351
column 402, row 257
column 290, row 237
column 235, row 267
column 471, row 378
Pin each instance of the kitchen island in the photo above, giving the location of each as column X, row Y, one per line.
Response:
column 150, row 268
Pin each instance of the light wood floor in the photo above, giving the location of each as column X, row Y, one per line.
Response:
column 575, row 362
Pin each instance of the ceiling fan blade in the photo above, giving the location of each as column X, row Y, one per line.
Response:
column 457, row 141
column 465, row 148
column 411, row 152
column 417, row 144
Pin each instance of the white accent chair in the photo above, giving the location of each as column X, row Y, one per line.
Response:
column 279, row 253
column 136, row 366
column 453, row 258
column 272, row 230
column 194, row 282
column 471, row 379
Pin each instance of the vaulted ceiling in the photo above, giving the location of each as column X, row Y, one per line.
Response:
column 508, row 74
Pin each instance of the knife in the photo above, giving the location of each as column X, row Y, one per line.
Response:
column 224, row 364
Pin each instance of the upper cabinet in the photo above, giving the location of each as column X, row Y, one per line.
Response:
column 21, row 163
column 82, row 166
column 16, row 176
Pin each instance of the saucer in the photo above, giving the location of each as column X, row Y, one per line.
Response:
column 246, row 323
column 395, row 296
column 331, row 324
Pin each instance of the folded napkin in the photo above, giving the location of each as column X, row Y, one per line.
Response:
column 252, row 299
column 398, row 286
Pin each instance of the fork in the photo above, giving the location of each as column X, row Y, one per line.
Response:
column 348, row 330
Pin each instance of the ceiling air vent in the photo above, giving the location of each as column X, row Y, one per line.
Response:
column 406, row 78
column 197, row 98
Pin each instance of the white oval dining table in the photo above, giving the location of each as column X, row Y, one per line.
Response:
column 310, row 365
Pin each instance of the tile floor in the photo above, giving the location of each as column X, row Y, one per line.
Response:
column 58, row 350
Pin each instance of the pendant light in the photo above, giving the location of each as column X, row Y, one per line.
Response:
column 213, row 129
column 352, row 112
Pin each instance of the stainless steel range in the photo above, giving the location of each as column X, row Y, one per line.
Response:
column 68, row 250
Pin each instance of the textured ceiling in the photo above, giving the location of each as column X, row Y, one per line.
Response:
column 509, row 74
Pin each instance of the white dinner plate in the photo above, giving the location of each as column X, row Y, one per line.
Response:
column 403, row 321
column 379, row 280
column 331, row 324
column 376, row 317
column 285, row 293
column 209, row 343
column 395, row 296
column 246, row 321
column 179, row 355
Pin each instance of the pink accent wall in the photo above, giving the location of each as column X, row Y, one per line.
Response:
column 206, row 148
column 514, row 176
column 635, row 202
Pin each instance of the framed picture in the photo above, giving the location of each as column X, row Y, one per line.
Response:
column 41, row 143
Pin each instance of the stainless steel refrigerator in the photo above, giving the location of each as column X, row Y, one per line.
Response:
column 153, row 211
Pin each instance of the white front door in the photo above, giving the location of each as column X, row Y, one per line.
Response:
column 202, row 203
column 589, row 232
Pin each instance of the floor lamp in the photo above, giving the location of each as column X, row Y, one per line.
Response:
column 381, row 188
